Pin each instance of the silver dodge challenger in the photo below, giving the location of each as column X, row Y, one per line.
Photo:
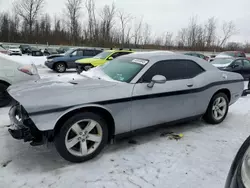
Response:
column 133, row 92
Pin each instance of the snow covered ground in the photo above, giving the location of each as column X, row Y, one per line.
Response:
column 200, row 159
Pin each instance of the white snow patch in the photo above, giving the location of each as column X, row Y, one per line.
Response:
column 25, row 59
column 201, row 158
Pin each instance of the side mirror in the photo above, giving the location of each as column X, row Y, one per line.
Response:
column 157, row 79
column 110, row 58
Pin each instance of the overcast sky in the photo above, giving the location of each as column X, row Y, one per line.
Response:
column 171, row 15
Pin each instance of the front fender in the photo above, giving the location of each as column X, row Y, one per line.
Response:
column 48, row 121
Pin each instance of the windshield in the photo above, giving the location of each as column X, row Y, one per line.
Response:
column 102, row 55
column 123, row 70
column 222, row 61
column 69, row 52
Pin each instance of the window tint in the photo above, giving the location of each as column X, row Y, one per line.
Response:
column 79, row 52
column 117, row 54
column 238, row 62
column 173, row 70
column 240, row 54
column 246, row 63
column 74, row 53
column 89, row 52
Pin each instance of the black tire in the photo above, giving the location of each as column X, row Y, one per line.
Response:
column 61, row 135
column 60, row 67
column 5, row 98
column 209, row 116
column 79, row 69
column 87, row 67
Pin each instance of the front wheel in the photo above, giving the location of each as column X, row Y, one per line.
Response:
column 217, row 109
column 60, row 67
column 5, row 98
column 82, row 137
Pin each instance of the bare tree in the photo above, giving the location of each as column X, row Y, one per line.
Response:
column 107, row 16
column 146, row 34
column 210, row 30
column 73, row 8
column 92, row 23
column 124, row 20
column 168, row 39
column 182, row 37
column 229, row 30
column 137, row 33
column 29, row 11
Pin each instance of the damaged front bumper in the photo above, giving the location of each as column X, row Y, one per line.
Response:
column 22, row 127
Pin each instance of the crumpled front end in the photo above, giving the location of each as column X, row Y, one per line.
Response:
column 22, row 127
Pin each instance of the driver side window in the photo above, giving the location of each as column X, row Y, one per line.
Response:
column 238, row 63
column 173, row 70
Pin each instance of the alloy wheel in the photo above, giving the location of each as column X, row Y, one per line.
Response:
column 219, row 108
column 84, row 137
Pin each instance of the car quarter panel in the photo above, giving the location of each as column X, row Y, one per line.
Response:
column 210, row 82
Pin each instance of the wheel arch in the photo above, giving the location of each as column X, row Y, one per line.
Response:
column 225, row 91
column 5, row 82
column 98, row 109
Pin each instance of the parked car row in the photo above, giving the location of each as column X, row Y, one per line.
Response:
column 82, row 59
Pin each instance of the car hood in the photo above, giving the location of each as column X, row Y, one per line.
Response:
column 88, row 60
column 14, row 49
column 221, row 65
column 55, row 56
column 50, row 93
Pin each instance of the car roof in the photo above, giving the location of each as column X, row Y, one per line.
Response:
column 119, row 51
column 154, row 57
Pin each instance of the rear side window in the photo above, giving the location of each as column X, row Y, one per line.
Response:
column 173, row 70
column 89, row 52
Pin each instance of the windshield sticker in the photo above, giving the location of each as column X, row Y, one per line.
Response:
column 140, row 61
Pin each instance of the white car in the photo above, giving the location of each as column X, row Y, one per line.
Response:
column 15, row 50
column 12, row 72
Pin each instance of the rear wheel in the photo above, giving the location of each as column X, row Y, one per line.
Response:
column 5, row 98
column 82, row 137
column 60, row 67
column 217, row 109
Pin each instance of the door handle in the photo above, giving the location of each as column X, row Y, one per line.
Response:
column 190, row 85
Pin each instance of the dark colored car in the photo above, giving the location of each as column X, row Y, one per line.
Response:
column 195, row 54
column 26, row 49
column 67, row 61
column 239, row 173
column 238, row 65
column 50, row 51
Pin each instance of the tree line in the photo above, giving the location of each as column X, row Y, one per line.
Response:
column 107, row 27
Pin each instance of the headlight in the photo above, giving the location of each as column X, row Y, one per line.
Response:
column 50, row 60
column 245, row 169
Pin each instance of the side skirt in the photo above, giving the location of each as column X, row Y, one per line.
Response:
column 155, row 127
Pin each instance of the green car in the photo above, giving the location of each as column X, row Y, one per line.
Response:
column 100, row 59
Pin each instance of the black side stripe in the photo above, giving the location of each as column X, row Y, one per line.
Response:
column 141, row 97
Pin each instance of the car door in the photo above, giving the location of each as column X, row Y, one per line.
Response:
column 246, row 69
column 237, row 66
column 165, row 102
column 77, row 54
